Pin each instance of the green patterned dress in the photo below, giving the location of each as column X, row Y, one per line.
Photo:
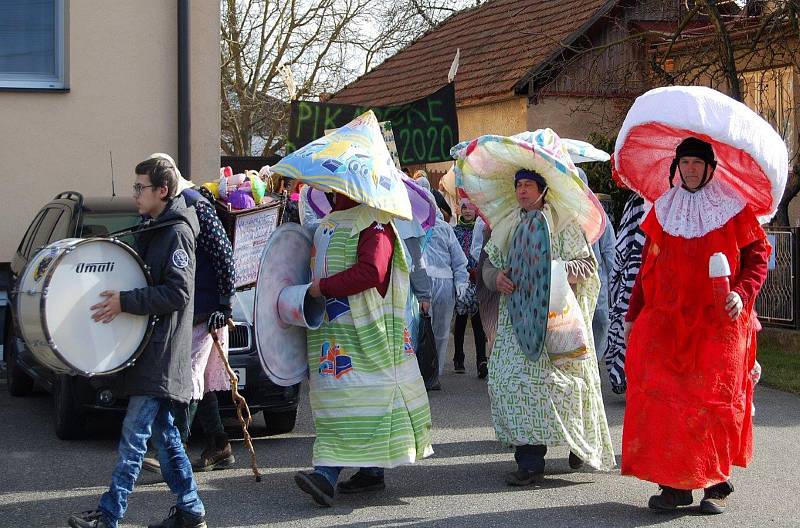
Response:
column 537, row 403
column 367, row 396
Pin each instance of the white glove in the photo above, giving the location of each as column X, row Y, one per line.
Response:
column 755, row 374
column 461, row 290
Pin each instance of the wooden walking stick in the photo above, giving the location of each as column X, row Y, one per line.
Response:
column 242, row 410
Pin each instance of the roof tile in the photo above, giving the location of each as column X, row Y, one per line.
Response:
column 500, row 41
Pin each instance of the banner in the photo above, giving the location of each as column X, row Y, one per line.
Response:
column 424, row 130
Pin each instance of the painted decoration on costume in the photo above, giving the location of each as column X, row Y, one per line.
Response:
column 423, row 209
column 353, row 161
column 333, row 361
column 529, row 263
column 751, row 156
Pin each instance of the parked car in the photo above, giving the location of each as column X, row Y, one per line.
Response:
column 77, row 399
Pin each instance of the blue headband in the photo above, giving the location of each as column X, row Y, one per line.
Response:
column 525, row 174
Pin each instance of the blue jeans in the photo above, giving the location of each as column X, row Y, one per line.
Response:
column 145, row 416
column 331, row 473
column 530, row 457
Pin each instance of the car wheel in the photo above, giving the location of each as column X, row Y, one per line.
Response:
column 280, row 422
column 19, row 383
column 70, row 421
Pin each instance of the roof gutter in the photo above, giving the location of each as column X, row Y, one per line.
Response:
column 184, row 92
column 523, row 84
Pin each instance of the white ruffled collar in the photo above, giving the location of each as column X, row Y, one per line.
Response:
column 691, row 215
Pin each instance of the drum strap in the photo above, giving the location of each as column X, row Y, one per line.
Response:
column 141, row 228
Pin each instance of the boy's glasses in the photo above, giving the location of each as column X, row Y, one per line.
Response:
column 138, row 188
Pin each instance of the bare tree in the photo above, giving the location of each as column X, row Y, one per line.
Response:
column 325, row 44
column 747, row 49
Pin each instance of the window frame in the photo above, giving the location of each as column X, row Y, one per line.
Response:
column 60, row 81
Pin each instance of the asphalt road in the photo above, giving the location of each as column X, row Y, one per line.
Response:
column 43, row 479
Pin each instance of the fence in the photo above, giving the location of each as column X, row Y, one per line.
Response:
column 777, row 304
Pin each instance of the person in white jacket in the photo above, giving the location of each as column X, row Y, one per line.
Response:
column 446, row 265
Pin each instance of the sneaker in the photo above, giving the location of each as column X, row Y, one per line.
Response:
column 151, row 464
column 361, row 482
column 217, row 454
column 180, row 519
column 670, row 499
column 315, row 485
column 437, row 386
column 483, row 370
column 88, row 519
column 459, row 368
column 715, row 498
column 575, row 462
column 523, row 477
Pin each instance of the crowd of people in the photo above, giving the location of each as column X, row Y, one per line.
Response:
column 525, row 241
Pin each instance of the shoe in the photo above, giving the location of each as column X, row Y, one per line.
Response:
column 88, row 519
column 361, row 482
column 523, row 477
column 483, row 370
column 575, row 462
column 216, row 455
column 670, row 499
column 459, row 368
column 180, row 519
column 315, row 485
column 435, row 387
column 151, row 464
column 715, row 498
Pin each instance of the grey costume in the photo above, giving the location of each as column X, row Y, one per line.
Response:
column 164, row 368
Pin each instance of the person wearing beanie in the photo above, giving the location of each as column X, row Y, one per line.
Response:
column 688, row 416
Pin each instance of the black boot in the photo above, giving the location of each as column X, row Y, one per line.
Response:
column 670, row 498
column 715, row 498
column 216, row 455
column 361, row 482
column 315, row 485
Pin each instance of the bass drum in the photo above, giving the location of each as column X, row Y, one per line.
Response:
column 56, row 290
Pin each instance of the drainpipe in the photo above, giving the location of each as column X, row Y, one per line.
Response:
column 184, row 92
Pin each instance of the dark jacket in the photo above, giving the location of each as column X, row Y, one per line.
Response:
column 164, row 368
column 214, row 273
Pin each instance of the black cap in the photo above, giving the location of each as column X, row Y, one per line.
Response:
column 691, row 146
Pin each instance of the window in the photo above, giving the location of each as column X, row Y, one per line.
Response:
column 771, row 94
column 42, row 236
column 26, row 240
column 33, row 44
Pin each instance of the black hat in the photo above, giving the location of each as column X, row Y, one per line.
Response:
column 691, row 146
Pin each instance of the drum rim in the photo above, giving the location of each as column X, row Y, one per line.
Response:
column 151, row 319
column 278, row 380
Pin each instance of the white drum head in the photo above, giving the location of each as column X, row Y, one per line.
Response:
column 91, row 267
column 284, row 262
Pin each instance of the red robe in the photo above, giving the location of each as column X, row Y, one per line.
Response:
column 688, row 414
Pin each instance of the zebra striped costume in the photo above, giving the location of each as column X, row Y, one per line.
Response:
column 627, row 261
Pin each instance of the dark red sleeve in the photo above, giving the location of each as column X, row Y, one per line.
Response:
column 754, row 268
column 636, row 302
column 372, row 267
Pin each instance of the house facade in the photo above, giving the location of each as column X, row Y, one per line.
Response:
column 84, row 83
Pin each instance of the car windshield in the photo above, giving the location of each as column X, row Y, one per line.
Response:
column 101, row 224
column 243, row 306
